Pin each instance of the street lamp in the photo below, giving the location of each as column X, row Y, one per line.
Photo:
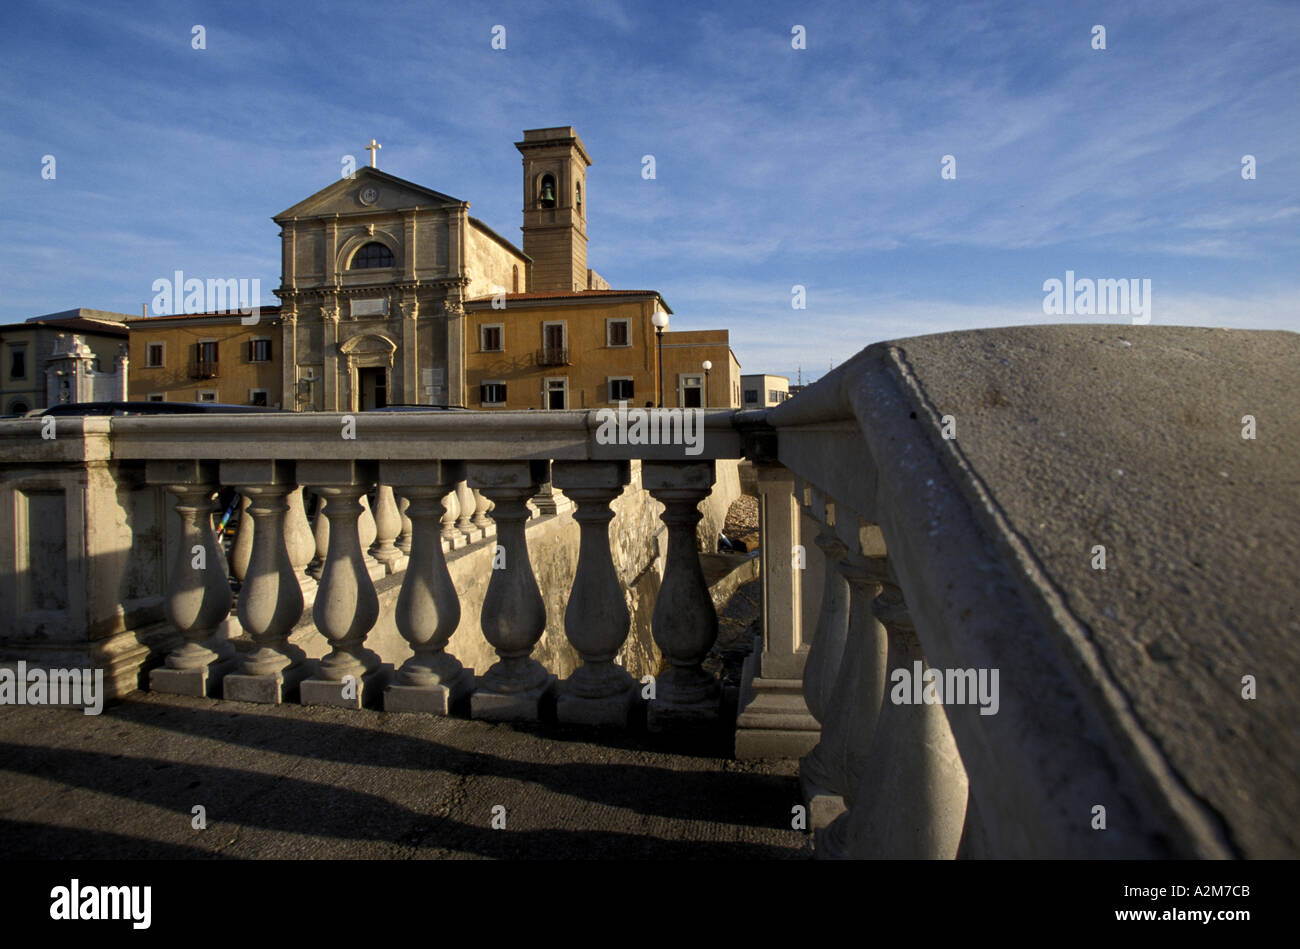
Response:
column 660, row 321
column 707, row 366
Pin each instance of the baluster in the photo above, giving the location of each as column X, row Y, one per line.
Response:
column 464, row 522
column 481, row 520
column 820, row 675
column 388, row 524
column 452, row 539
column 596, row 620
column 198, row 595
column 404, row 538
column 684, row 623
column 514, row 614
column 270, row 599
column 301, row 543
column 911, row 802
column 242, row 549
column 321, row 532
column 346, row 606
column 428, row 609
column 860, row 684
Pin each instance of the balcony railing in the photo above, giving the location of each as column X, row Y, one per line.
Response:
column 203, row 369
column 885, row 565
column 553, row 356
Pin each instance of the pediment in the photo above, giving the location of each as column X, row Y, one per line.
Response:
column 345, row 197
column 368, row 344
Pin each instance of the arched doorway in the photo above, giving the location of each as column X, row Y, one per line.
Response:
column 368, row 366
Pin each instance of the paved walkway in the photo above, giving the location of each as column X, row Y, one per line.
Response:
column 294, row 782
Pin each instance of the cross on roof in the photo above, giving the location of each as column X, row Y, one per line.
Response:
column 373, row 148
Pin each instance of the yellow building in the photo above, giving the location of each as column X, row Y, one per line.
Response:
column 587, row 349
column 206, row 357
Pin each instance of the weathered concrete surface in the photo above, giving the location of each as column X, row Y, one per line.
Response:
column 1130, row 437
column 319, row 782
column 1125, row 685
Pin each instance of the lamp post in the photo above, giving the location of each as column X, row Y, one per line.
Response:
column 707, row 366
column 660, row 321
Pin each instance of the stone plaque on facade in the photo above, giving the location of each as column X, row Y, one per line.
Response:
column 370, row 306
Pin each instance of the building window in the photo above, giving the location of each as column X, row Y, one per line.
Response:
column 259, row 350
column 618, row 332
column 515, row 279
column 205, row 359
column 620, row 390
column 555, row 351
column 557, row 393
column 751, row 396
column 153, row 356
column 155, row 397
column 18, row 362
column 492, row 393
column 370, row 256
column 207, row 395
column 257, row 397
column 548, row 191
column 491, row 337
column 19, row 407
column 775, row 395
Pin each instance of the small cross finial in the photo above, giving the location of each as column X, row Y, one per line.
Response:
column 373, row 148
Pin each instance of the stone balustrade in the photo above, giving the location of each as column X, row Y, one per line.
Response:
column 896, row 560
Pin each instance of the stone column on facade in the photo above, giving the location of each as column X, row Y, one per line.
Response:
column 911, row 800
column 412, row 393
column 329, row 348
column 774, row 721
column 346, row 606
column 428, row 608
column 455, row 342
column 289, row 358
column 513, row 615
column 198, row 592
column 596, row 620
column 270, row 598
column 684, row 622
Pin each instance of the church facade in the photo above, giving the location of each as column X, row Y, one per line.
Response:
column 393, row 293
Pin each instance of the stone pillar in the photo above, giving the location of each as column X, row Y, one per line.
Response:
column 684, row 623
column 428, row 609
column 774, row 721
column 513, row 614
column 596, row 620
column 270, row 599
column 388, row 525
column 198, row 595
column 859, row 683
column 330, row 357
column 910, row 802
column 347, row 606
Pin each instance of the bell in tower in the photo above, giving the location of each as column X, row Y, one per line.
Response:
column 555, row 218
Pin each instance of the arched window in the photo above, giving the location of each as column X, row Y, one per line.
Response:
column 371, row 255
column 548, row 191
column 578, row 194
column 19, row 407
column 516, row 279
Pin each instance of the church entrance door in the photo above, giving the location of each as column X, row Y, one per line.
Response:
column 373, row 383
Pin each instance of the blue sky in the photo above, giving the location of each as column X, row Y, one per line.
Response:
column 774, row 166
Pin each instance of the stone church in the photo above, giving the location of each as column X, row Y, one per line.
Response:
column 377, row 271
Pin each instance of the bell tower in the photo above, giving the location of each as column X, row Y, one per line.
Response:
column 555, row 208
